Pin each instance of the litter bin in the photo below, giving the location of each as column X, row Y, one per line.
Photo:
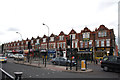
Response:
column 83, row 65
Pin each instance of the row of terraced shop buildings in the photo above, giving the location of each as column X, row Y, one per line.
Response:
column 87, row 44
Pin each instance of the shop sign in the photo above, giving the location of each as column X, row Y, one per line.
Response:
column 43, row 50
column 86, row 39
column 51, row 51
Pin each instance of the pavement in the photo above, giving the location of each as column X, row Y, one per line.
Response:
column 54, row 67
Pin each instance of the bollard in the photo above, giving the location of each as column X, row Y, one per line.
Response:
column 18, row 75
column 83, row 65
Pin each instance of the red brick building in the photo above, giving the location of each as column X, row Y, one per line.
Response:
column 87, row 44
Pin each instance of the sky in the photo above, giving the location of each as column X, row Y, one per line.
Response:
column 27, row 17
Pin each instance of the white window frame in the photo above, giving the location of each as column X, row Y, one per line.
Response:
column 64, row 45
column 90, row 43
column 102, row 43
column 97, row 43
column 51, row 38
column 73, row 36
column 75, row 44
column 107, row 42
column 31, row 41
column 86, row 44
column 26, row 42
column 72, row 44
column 18, row 44
column 44, row 39
column 61, row 44
column 37, row 40
column 81, row 44
column 86, row 35
column 58, row 45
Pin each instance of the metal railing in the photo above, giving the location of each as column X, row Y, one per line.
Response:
column 7, row 76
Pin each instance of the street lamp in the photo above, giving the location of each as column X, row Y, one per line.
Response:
column 20, row 35
column 48, row 41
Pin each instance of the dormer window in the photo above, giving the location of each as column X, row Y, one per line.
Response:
column 44, row 39
column 102, row 34
column 86, row 35
column 22, row 43
column 51, row 38
column 26, row 42
column 73, row 36
column 31, row 41
column 37, row 40
column 61, row 37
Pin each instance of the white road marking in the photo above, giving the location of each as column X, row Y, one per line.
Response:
column 37, row 75
column 30, row 76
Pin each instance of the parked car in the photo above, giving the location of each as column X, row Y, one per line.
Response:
column 10, row 55
column 18, row 57
column 3, row 58
column 111, row 63
column 62, row 61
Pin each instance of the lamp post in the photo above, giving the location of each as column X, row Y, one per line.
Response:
column 48, row 42
column 20, row 36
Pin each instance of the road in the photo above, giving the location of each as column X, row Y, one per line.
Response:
column 34, row 72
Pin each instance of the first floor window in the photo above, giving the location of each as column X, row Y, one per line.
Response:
column 57, row 45
column 102, row 43
column 108, row 42
column 75, row 44
column 97, row 43
column 63, row 45
column 86, row 44
column 81, row 44
column 90, row 43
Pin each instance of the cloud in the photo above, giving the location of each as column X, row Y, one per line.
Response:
column 12, row 29
column 1, row 33
column 106, row 4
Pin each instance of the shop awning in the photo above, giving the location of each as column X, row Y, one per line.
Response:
column 84, row 52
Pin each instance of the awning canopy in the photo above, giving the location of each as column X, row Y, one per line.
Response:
column 84, row 52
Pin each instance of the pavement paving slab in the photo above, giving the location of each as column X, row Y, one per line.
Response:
column 54, row 67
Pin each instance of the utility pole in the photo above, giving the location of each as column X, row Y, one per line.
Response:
column 48, row 44
column 71, row 53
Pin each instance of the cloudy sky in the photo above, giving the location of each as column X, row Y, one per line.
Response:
column 27, row 16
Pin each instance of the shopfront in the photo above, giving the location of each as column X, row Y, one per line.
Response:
column 51, row 53
column 85, row 53
column 101, row 52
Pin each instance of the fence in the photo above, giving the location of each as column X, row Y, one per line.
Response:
column 7, row 76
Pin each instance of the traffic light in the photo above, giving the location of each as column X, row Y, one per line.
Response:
column 2, row 48
column 29, row 45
